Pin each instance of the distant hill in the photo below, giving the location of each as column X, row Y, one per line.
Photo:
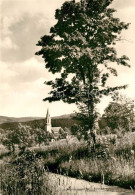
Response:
column 34, row 122
column 6, row 119
column 64, row 116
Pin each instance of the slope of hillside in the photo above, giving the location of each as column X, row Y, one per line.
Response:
column 64, row 116
column 60, row 121
column 5, row 119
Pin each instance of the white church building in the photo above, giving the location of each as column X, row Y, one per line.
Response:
column 48, row 126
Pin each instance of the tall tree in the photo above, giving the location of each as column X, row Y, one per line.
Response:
column 79, row 45
column 120, row 113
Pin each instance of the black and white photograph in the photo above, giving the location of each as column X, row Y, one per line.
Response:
column 67, row 97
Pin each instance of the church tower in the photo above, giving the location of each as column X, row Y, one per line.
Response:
column 48, row 127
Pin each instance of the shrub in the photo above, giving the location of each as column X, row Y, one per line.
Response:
column 24, row 174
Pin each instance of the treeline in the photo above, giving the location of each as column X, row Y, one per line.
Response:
column 65, row 122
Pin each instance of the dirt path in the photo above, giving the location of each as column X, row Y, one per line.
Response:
column 64, row 185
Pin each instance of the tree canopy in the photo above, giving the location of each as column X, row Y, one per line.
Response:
column 120, row 114
column 81, row 46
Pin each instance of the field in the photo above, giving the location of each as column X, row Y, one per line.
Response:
column 112, row 163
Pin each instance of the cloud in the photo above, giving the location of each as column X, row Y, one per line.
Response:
column 122, row 4
column 22, row 89
column 23, row 34
column 27, row 71
column 24, row 22
column 16, row 101
column 7, row 43
column 6, row 22
column 17, row 7
column 26, row 98
column 6, row 73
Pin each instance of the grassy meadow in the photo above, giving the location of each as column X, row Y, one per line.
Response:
column 112, row 163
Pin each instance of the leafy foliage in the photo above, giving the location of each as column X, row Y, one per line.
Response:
column 120, row 113
column 24, row 136
column 25, row 174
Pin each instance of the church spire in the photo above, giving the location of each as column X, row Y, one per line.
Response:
column 47, row 114
column 48, row 122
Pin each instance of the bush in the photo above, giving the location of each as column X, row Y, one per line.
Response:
column 24, row 174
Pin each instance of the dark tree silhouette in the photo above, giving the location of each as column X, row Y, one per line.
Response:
column 79, row 46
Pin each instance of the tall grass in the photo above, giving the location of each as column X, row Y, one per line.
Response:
column 24, row 174
column 119, row 172
column 113, row 161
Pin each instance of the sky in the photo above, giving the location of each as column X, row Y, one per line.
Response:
column 22, row 74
